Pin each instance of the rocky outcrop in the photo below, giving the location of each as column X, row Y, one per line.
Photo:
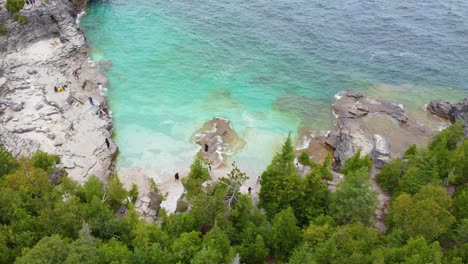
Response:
column 314, row 143
column 351, row 130
column 381, row 152
column 218, row 140
column 453, row 112
column 52, row 51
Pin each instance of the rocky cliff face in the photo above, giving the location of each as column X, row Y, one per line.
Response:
column 52, row 51
column 454, row 112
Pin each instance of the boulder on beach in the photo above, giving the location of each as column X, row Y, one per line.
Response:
column 218, row 139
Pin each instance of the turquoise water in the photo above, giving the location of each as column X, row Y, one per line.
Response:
column 271, row 67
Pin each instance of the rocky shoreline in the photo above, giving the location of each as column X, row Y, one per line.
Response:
column 50, row 50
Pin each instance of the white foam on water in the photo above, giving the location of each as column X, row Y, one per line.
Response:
column 249, row 119
column 339, row 95
column 442, row 126
column 169, row 121
column 425, row 106
column 78, row 17
column 103, row 90
column 304, row 143
column 91, row 62
column 335, row 115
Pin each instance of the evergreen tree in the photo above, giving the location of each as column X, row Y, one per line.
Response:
column 285, row 233
column 186, row 246
column 354, row 199
column 279, row 181
column 460, row 203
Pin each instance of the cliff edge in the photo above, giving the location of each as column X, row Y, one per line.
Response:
column 51, row 93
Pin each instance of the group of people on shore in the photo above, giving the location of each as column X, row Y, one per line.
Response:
column 102, row 111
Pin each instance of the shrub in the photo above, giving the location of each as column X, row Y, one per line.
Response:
column 7, row 162
column 182, row 206
column 304, row 158
column 390, row 175
column 3, row 30
column 133, row 193
column 14, row 5
column 21, row 19
column 356, row 162
column 42, row 160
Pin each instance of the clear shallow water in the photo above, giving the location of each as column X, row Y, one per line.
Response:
column 270, row 67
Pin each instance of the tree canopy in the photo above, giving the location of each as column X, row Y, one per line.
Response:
column 298, row 219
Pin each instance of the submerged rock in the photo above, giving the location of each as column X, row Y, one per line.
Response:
column 218, row 139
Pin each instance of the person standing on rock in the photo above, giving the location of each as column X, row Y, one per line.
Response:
column 176, row 176
column 91, row 101
column 206, row 147
column 107, row 143
column 209, row 166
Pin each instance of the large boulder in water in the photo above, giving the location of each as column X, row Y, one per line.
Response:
column 218, row 139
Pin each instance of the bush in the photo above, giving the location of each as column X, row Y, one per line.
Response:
column 356, row 162
column 134, row 193
column 390, row 175
column 304, row 158
column 14, row 5
column 3, row 30
column 42, row 160
column 21, row 19
column 7, row 162
column 182, row 206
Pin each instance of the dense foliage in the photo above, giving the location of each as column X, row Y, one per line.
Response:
column 3, row 29
column 14, row 6
column 300, row 220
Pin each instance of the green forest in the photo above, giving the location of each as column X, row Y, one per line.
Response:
column 297, row 219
